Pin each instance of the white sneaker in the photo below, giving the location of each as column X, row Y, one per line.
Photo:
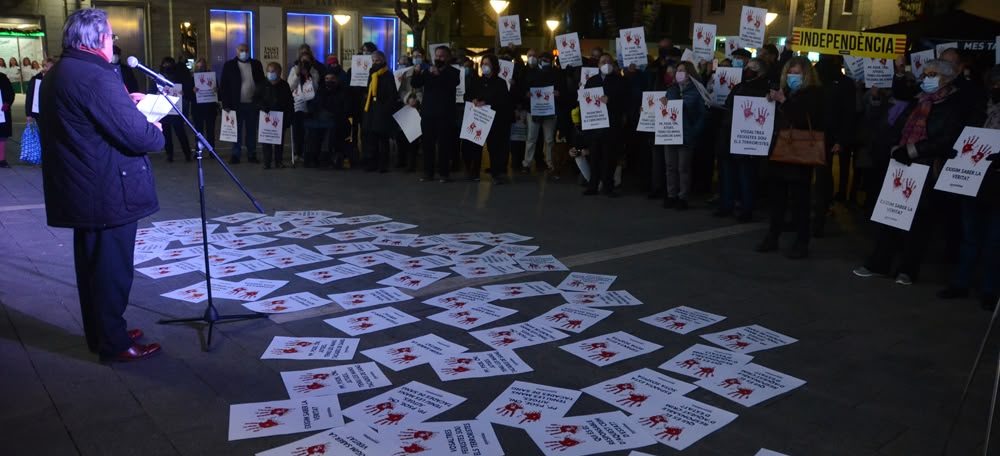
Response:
column 904, row 279
column 864, row 272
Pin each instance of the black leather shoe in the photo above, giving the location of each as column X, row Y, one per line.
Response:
column 135, row 353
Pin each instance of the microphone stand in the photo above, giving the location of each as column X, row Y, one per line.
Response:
column 211, row 315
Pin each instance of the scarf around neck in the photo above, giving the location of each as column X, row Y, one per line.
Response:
column 373, row 86
column 915, row 129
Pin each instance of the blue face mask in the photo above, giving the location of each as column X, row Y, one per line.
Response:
column 272, row 76
column 418, row 61
column 930, row 84
column 794, row 81
column 737, row 63
column 244, row 56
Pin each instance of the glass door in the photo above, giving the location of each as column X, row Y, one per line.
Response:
column 229, row 28
column 383, row 32
column 316, row 30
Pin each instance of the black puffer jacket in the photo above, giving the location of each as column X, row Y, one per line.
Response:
column 95, row 171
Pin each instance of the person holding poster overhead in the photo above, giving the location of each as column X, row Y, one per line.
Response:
column 204, row 114
column 491, row 90
column 739, row 171
column 981, row 217
column 606, row 142
column 31, row 96
column 439, row 83
column 275, row 95
column 928, row 134
column 678, row 157
column 799, row 105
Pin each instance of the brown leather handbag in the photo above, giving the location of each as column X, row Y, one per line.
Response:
column 800, row 147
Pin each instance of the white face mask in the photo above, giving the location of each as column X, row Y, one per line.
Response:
column 532, row 61
column 680, row 76
column 487, row 70
column 606, row 69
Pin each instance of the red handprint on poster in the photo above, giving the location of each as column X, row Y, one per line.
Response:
column 531, row 417
column 412, row 448
column 456, row 361
column 706, row 372
column 269, row 412
column 730, row 382
column 633, row 400
column 604, row 355
column 573, row 324
column 362, row 326
column 983, row 152
column 619, row 388
column 557, row 317
column 379, row 408
column 257, row 427
column 391, row 418
column 910, row 185
column 741, row 393
column 594, row 346
column 673, row 114
column 510, row 409
column 762, row 116
column 503, row 342
column 654, row 420
column 968, row 144
column 309, row 451
column 455, row 370
column 411, row 434
column 670, row 433
column 562, row 445
column 688, row 363
column 739, row 345
column 554, row 429
column 757, row 21
column 405, row 359
column 284, row 351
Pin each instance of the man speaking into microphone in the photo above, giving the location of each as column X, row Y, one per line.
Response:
column 97, row 178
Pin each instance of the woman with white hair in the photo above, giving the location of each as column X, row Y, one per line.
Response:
column 932, row 125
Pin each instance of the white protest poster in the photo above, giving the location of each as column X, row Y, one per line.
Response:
column 452, row 248
column 472, row 315
column 593, row 111
column 523, row 404
column 732, row 44
column 610, row 348
column 647, row 111
column 570, row 52
column 485, row 270
column 605, row 299
column 269, row 128
column 368, row 298
column 722, row 83
column 510, row 30
column 964, row 173
column 586, row 73
column 702, row 361
column 541, row 263
column 753, row 126
column 390, row 227
column 854, row 67
column 506, row 71
column 581, row 281
column 240, row 268
column 413, row 280
column 35, row 94
column 917, row 60
column 460, row 298
column 406, row 405
column 362, row 219
column 640, row 391
column 458, row 438
column 901, row 190
column 568, row 317
column 478, row 365
column 227, row 128
column 749, row 339
column 204, row 87
column 304, row 232
column 169, row 270
column 476, row 123
column 669, row 123
column 879, row 73
column 766, row 452
column 352, row 235
column 371, row 321
column 395, row 239
column 681, row 422
column 175, row 94
column 688, row 56
column 633, row 41
column 424, row 262
column 306, row 348
column 277, row 252
column 682, row 320
column 521, row 290
column 750, row 384
column 752, row 27
column 520, row 335
column 940, row 48
column 503, row 238
column 299, row 259
column 543, row 101
column 289, row 303
column 325, row 381
column 460, row 90
column 264, row 419
column 354, row 438
column 588, row 434
column 408, row 119
column 512, row 250
column 704, row 42
column 361, row 67
column 402, row 78
column 332, row 273
column 413, row 352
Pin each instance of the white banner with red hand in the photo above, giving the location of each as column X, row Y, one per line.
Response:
column 570, row 53
column 361, row 67
column 723, row 82
column 753, row 126
column 269, row 127
column 752, row 26
column 593, row 111
column 510, row 30
column 476, row 123
column 964, row 173
column 647, row 111
column 543, row 101
column 633, row 42
column 703, row 42
column 406, row 405
column 525, row 405
column 669, row 123
column 264, row 419
column 204, row 87
column 901, row 190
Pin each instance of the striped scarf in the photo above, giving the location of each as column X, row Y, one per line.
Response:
column 915, row 129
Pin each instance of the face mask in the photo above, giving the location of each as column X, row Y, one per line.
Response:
column 418, row 61
column 681, row 76
column 114, row 59
column 272, row 76
column 487, row 70
column 546, row 64
column 737, row 63
column 606, row 69
column 244, row 56
column 794, row 81
column 532, row 61
column 749, row 74
column 930, row 85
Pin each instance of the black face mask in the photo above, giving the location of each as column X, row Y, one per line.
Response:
column 377, row 66
column 440, row 63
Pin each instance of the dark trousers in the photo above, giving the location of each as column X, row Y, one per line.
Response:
column 472, row 158
column 273, row 152
column 174, row 125
column 910, row 246
column 603, row 160
column 376, row 147
column 498, row 145
column 737, row 181
column 517, row 154
column 299, row 135
column 406, row 151
column 980, row 242
column 439, row 148
column 103, row 260
column 316, row 138
column 785, row 195
column 247, row 117
column 824, row 184
column 204, row 115
column 656, row 163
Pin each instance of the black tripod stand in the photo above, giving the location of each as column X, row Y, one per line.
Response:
column 211, row 315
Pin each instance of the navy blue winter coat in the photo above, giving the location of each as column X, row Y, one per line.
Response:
column 95, row 170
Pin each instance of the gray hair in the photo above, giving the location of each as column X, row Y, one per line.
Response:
column 757, row 65
column 944, row 69
column 84, row 29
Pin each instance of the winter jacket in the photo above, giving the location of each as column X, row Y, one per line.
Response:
column 493, row 91
column 438, row 109
column 7, row 89
column 617, row 91
column 694, row 110
column 802, row 110
column 232, row 80
column 295, row 82
column 275, row 96
column 378, row 119
column 95, row 172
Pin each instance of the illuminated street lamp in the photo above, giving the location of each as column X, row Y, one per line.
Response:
column 553, row 25
column 770, row 18
column 342, row 20
column 498, row 6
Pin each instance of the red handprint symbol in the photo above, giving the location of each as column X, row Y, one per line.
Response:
column 653, row 420
column 572, row 324
column 633, row 400
column 455, row 370
column 557, row 317
column 503, row 342
column 649, row 101
column 762, row 116
column 396, row 351
column 741, row 393
column 722, row 82
column 315, row 449
column 670, row 433
column 666, row 318
column 619, row 388
column 531, row 417
column 590, row 287
column 308, row 377
column 730, row 382
column 268, row 411
column 358, row 319
column 509, row 409
column 257, row 427
column 392, row 418
column 968, row 144
column 454, row 361
column 749, row 17
column 460, row 314
column 457, row 305
column 677, row 325
column 739, row 345
column 565, row 429
column 689, row 363
column 731, row 337
column 468, row 321
column 604, row 355
column 379, row 408
column 587, row 98
column 757, row 20
column 706, row 372
column 708, row 38
column 501, row 333
column 673, row 114
column 910, row 185
column 983, row 152
column 593, row 346
column 298, row 343
column 472, row 127
column 411, row 434
column 479, row 133
column 562, row 445
column 628, row 37
column 413, row 283
column 267, row 119
column 917, row 62
column 286, row 351
column 362, row 326
column 882, row 62
column 410, row 449
column 698, row 32
column 572, row 44
column 897, row 179
column 405, row 359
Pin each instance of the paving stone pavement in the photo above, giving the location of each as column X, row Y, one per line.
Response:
column 884, row 364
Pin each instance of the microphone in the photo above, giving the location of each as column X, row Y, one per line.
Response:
column 158, row 78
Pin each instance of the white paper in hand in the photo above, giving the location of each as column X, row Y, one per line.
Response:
column 155, row 107
column 408, row 120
